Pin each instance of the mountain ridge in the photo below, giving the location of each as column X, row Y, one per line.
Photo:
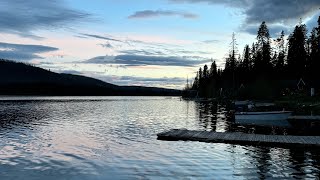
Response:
column 17, row 78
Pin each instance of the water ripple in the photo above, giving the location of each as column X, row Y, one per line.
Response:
column 115, row 138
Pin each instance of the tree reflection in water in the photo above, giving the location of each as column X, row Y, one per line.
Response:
column 212, row 117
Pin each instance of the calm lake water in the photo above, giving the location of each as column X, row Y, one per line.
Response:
column 115, row 138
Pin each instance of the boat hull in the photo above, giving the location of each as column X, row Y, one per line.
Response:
column 273, row 118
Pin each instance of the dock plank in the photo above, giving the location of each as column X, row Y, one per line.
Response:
column 239, row 138
column 188, row 134
column 314, row 140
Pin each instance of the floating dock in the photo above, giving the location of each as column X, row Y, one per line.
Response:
column 239, row 138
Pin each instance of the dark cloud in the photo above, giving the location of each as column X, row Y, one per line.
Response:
column 157, row 13
column 23, row 17
column 23, row 51
column 271, row 11
column 100, row 37
column 283, row 11
column 160, row 60
column 82, row 37
column 275, row 29
column 142, row 60
column 71, row 72
column 163, row 52
column 101, row 60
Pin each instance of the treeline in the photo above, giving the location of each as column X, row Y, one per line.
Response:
column 266, row 67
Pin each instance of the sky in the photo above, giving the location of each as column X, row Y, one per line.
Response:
column 157, row 43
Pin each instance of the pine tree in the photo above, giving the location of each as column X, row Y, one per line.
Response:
column 274, row 59
column 201, row 82
column 213, row 69
column 205, row 72
column 297, row 52
column 212, row 80
column 314, row 57
column 264, row 48
column 317, row 54
column 279, row 64
column 200, row 74
column 253, row 56
column 196, row 82
column 246, row 59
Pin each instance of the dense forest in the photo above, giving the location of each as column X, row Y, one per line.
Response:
column 269, row 68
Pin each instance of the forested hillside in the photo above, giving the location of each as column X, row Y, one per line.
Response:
column 22, row 79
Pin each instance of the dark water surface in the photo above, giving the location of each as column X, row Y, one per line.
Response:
column 115, row 138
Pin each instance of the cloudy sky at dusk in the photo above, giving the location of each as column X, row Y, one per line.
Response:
column 139, row 42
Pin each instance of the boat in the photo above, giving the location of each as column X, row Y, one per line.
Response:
column 261, row 114
column 267, row 118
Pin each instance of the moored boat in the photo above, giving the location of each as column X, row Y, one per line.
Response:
column 261, row 114
column 268, row 118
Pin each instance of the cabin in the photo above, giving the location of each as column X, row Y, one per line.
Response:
column 301, row 85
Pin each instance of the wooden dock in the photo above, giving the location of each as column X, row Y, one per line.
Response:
column 239, row 138
column 308, row 118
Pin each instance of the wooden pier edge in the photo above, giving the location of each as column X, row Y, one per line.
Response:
column 239, row 138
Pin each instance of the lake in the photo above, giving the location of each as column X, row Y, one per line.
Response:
column 115, row 138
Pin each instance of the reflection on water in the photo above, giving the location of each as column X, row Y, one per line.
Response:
column 115, row 138
column 212, row 117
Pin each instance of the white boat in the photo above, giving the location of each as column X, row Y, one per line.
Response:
column 268, row 118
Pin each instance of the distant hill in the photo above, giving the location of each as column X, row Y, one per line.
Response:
column 22, row 79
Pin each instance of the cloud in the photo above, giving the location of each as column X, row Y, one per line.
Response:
column 191, row 52
column 271, row 11
column 211, row 41
column 169, row 82
column 100, row 37
column 284, row 11
column 313, row 21
column 71, row 72
column 24, row 17
column 106, row 45
column 143, row 52
column 149, row 79
column 142, row 60
column 274, row 29
column 23, row 51
column 157, row 13
column 231, row 3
